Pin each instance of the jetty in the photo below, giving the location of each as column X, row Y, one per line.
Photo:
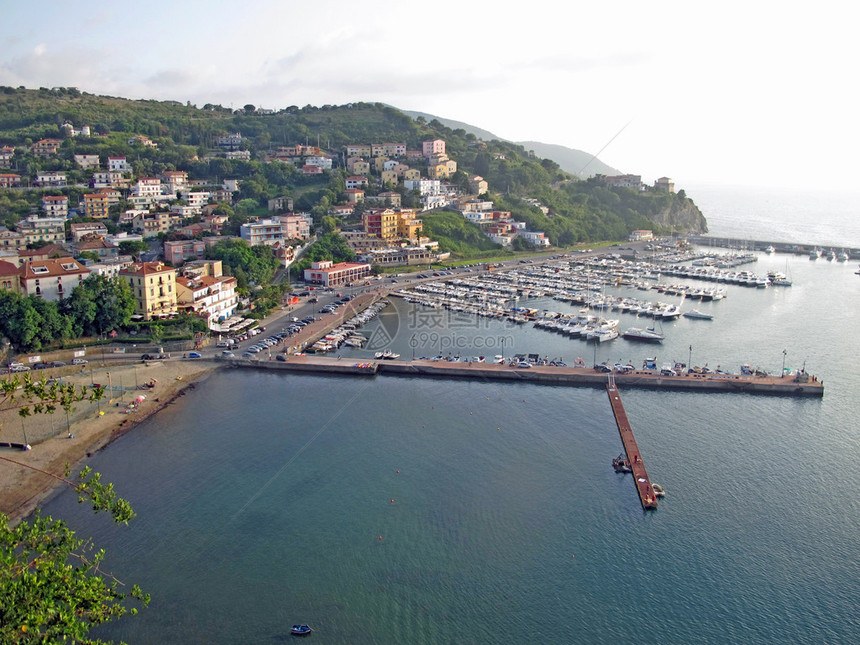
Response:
column 634, row 457
column 802, row 385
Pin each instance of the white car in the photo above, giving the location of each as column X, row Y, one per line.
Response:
column 79, row 361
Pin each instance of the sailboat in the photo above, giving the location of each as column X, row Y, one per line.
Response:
column 778, row 279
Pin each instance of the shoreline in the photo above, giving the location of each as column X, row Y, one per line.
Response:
column 23, row 490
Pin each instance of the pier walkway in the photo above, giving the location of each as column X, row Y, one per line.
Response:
column 547, row 374
column 640, row 475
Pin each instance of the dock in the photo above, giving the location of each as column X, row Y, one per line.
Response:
column 543, row 374
column 640, row 475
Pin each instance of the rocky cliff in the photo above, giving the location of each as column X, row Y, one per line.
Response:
column 681, row 215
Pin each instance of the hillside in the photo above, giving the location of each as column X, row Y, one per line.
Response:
column 576, row 162
column 578, row 211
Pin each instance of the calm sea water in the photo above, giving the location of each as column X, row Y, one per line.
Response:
column 395, row 510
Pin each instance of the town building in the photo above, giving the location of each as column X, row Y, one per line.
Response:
column 110, row 268
column 357, row 166
column 212, row 298
column 53, row 278
column 50, row 179
column 328, row 274
column 80, row 229
column 634, row 182
column 96, row 205
column 153, row 285
column 356, row 181
column 93, row 243
column 177, row 252
column 55, row 206
column 6, row 154
column 43, row 229
column 664, row 184
column 641, row 235
column 151, row 224
column 87, row 162
column 118, row 164
column 358, row 150
column 10, row 276
column 238, row 155
column 46, row 147
column 12, row 239
column 10, row 180
column 535, row 238
column 229, row 141
column 433, row 147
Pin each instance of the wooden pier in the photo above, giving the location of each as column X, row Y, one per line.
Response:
column 640, row 475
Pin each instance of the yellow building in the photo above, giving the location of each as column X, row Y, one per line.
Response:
column 153, row 285
column 96, row 205
column 389, row 177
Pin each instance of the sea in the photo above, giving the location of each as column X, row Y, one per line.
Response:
column 421, row 511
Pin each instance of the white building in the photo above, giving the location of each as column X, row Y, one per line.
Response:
column 118, row 164
column 535, row 238
column 212, row 298
column 424, row 186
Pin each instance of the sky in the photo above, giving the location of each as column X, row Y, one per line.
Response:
column 730, row 93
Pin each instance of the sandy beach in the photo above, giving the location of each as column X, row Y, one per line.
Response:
column 92, row 426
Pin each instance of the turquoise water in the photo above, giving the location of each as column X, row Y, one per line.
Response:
column 262, row 497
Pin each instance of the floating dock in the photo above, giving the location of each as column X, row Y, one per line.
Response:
column 640, row 475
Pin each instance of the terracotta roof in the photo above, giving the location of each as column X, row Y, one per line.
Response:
column 147, row 268
column 7, row 268
column 52, row 267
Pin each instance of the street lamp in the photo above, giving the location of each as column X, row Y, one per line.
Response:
column 782, row 373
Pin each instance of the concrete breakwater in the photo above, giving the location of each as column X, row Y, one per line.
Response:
column 547, row 374
column 761, row 245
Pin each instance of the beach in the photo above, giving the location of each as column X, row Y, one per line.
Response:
column 92, row 427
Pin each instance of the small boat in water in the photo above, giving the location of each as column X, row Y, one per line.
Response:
column 300, row 630
column 700, row 315
column 658, row 490
column 649, row 335
column 621, row 464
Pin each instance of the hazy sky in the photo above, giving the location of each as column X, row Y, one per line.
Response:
column 729, row 93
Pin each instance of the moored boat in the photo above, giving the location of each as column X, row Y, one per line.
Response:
column 649, row 335
column 658, row 490
column 300, row 630
column 700, row 315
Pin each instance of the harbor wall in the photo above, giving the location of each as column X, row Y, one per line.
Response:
column 544, row 374
column 761, row 245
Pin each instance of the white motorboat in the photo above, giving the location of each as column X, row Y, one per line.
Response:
column 649, row 335
column 700, row 315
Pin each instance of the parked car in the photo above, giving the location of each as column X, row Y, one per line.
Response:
column 281, row 357
column 58, row 364
column 19, row 368
column 79, row 361
column 194, row 355
column 228, row 354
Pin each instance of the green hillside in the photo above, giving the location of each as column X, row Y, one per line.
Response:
column 579, row 211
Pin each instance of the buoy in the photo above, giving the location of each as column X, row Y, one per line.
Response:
column 392, row 501
column 397, row 471
column 380, row 537
column 101, row 413
column 572, row 556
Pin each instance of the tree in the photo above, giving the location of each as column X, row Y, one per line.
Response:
column 133, row 247
column 51, row 587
